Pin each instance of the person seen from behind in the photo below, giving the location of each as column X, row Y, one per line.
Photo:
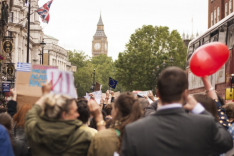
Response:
column 210, row 90
column 108, row 110
column 5, row 142
column 18, row 122
column 106, row 142
column 144, row 103
column 19, row 146
column 84, row 115
column 172, row 131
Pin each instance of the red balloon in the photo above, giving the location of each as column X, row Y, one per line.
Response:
column 208, row 59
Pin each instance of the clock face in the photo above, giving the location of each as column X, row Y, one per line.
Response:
column 97, row 46
column 105, row 46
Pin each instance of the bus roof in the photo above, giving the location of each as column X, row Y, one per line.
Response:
column 212, row 28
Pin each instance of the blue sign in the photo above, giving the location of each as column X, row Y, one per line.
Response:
column 6, row 87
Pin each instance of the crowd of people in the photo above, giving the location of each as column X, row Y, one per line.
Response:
column 176, row 124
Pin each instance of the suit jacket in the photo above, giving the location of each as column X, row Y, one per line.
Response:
column 174, row 132
column 151, row 108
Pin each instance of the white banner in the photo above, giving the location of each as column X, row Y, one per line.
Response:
column 62, row 82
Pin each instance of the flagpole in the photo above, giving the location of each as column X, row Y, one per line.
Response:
column 29, row 8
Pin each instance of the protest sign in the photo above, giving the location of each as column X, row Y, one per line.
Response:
column 97, row 95
column 97, row 86
column 29, row 79
column 145, row 93
column 62, row 82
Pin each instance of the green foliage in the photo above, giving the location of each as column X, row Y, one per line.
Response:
column 148, row 47
column 104, row 68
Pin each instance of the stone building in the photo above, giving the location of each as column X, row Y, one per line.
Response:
column 55, row 55
column 17, row 28
column 186, row 39
column 219, row 9
column 99, row 43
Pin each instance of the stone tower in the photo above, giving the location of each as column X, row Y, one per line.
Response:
column 99, row 43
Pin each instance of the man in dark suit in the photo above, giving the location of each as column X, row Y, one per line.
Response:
column 171, row 131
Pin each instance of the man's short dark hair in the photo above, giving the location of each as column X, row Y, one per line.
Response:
column 171, row 84
column 83, row 110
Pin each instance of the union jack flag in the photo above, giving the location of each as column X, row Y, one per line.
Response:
column 44, row 12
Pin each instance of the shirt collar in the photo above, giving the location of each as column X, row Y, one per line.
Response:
column 170, row 106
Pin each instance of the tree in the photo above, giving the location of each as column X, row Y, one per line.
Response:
column 103, row 65
column 148, row 47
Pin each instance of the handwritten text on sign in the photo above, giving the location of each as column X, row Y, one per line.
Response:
column 38, row 77
column 62, row 82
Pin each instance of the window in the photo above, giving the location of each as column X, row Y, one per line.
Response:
column 214, row 38
column 189, row 54
column 214, row 16
column 10, row 19
column 230, row 6
column 196, row 45
column 223, row 33
column 211, row 21
column 10, row 33
column 230, row 39
column 206, row 40
column 226, row 10
column 218, row 14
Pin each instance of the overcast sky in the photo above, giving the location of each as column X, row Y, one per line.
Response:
column 74, row 22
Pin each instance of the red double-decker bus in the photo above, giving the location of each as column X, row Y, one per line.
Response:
column 223, row 32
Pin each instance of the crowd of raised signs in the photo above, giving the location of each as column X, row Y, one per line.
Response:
column 176, row 124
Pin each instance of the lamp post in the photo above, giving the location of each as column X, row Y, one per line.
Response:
column 42, row 46
column 164, row 64
column 93, row 85
column 154, row 77
column 171, row 60
column 40, row 57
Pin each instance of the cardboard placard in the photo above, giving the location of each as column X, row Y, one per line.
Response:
column 97, row 86
column 28, row 84
column 62, row 82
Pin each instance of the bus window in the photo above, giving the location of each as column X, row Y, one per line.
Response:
column 223, row 33
column 214, row 38
column 189, row 54
column 196, row 45
column 230, row 40
column 206, row 40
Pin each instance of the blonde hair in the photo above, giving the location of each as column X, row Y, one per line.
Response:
column 54, row 105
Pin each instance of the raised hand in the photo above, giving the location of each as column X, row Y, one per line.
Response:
column 150, row 95
column 46, row 88
column 191, row 103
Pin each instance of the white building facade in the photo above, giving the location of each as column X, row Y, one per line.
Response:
column 17, row 28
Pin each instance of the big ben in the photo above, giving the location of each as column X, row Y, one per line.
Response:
column 99, row 43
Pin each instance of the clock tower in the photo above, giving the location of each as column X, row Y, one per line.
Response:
column 99, row 43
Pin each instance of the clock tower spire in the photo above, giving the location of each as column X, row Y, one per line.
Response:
column 99, row 43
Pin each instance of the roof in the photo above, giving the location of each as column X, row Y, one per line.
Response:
column 100, row 21
column 52, row 37
column 212, row 28
column 100, row 33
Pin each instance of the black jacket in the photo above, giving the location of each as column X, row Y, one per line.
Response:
column 174, row 132
column 20, row 148
column 11, row 107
